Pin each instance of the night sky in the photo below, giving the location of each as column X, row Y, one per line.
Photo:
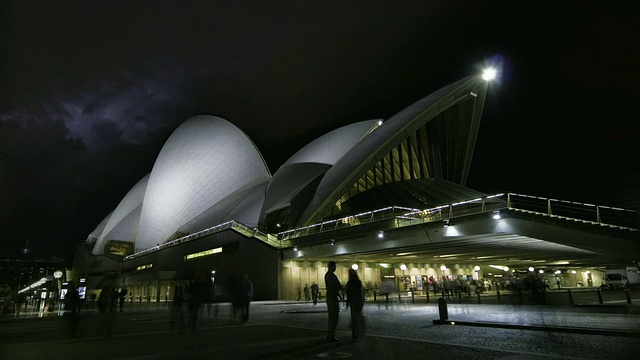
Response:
column 90, row 90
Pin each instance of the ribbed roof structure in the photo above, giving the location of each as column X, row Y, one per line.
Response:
column 309, row 163
column 129, row 208
column 205, row 160
column 209, row 172
column 456, row 108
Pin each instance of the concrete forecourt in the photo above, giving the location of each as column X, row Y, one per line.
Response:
column 296, row 330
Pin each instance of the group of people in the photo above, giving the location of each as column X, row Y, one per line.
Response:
column 313, row 295
column 201, row 292
column 354, row 301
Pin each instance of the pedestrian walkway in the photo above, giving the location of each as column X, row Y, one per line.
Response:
column 295, row 330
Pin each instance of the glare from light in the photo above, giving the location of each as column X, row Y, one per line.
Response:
column 587, row 272
column 381, row 234
column 496, row 216
column 295, row 248
column 541, row 271
column 443, row 268
column 403, row 267
column 531, row 269
column 476, row 268
column 573, row 272
column 489, row 74
column 506, row 268
column 354, row 266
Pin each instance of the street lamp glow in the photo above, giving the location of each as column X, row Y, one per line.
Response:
column 573, row 272
column 541, row 271
column 489, row 74
column 531, row 269
column 476, row 268
column 506, row 268
column 443, row 268
column 354, row 266
column 403, row 267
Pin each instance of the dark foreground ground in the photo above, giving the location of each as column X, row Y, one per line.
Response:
column 295, row 330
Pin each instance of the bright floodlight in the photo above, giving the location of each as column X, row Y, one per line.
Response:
column 489, row 74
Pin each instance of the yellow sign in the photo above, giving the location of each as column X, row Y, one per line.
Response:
column 203, row 253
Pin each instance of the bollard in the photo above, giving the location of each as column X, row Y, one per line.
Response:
column 570, row 297
column 478, row 293
column 498, row 295
column 442, row 309
column 413, row 297
column 600, row 296
column 374, row 296
column 399, row 297
column 427, row 295
column 387, row 296
column 628, row 294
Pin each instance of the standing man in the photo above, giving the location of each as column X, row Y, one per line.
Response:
column 333, row 286
column 314, row 292
column 246, row 297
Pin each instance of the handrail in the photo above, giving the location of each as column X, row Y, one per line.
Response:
column 598, row 214
column 609, row 216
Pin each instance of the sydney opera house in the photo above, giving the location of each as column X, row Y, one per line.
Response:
column 380, row 195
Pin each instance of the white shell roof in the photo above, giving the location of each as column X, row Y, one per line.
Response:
column 243, row 206
column 205, row 160
column 98, row 230
column 131, row 201
column 311, row 161
column 391, row 132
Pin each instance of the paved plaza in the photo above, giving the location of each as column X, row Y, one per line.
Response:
column 295, row 330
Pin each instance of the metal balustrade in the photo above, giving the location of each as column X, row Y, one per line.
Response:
column 612, row 217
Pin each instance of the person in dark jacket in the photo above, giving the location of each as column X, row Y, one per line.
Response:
column 333, row 286
column 246, row 295
column 355, row 301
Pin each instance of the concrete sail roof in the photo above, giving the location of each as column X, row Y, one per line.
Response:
column 313, row 160
column 132, row 200
column 368, row 151
column 93, row 236
column 203, row 161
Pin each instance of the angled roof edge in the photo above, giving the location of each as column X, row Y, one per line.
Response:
column 360, row 157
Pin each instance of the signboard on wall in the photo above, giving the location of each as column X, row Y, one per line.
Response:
column 118, row 248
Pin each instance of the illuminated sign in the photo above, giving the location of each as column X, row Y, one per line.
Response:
column 146, row 266
column 82, row 292
column 203, row 253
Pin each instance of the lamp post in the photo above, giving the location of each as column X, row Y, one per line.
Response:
column 476, row 269
column 574, row 277
column 403, row 267
column 57, row 275
column 443, row 268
